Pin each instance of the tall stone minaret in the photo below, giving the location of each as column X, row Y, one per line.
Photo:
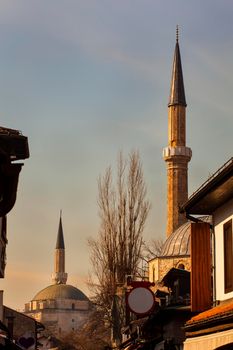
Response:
column 59, row 276
column 176, row 154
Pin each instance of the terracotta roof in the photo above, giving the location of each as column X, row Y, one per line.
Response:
column 212, row 313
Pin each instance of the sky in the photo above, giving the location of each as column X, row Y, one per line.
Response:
column 85, row 79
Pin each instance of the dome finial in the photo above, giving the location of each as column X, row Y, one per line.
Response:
column 177, row 33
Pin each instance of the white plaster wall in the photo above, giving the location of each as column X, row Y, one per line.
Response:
column 220, row 217
column 209, row 342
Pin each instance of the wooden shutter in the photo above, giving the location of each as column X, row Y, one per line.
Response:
column 228, row 256
column 201, row 289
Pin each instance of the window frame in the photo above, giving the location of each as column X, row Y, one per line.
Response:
column 228, row 256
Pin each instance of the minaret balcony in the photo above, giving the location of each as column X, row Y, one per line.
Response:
column 59, row 277
column 183, row 152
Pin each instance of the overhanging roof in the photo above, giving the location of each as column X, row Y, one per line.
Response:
column 216, row 191
column 173, row 274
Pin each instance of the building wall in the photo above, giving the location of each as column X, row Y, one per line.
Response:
column 22, row 327
column 210, row 341
column 60, row 322
column 220, row 217
column 57, row 304
column 158, row 267
column 59, row 316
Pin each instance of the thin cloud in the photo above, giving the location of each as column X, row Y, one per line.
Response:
column 78, row 26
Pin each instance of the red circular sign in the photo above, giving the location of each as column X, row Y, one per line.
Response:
column 141, row 300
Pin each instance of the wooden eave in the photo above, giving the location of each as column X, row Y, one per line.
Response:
column 216, row 191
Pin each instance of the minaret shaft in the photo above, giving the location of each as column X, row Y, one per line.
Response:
column 176, row 155
column 176, row 126
column 177, row 191
column 59, row 263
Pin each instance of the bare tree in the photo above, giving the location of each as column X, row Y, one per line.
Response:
column 123, row 210
column 153, row 248
column 92, row 334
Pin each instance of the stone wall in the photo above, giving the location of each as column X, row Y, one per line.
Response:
column 159, row 267
column 59, row 316
column 166, row 264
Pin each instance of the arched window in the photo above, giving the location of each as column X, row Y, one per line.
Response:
column 181, row 266
column 153, row 272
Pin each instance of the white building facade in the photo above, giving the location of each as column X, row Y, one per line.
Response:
column 223, row 219
column 213, row 329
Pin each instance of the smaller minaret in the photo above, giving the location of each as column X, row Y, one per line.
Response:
column 59, row 276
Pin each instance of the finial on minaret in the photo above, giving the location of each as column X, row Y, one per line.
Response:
column 177, row 93
column 60, row 213
column 60, row 238
column 177, row 33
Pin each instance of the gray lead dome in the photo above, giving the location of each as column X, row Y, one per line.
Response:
column 60, row 291
column 178, row 243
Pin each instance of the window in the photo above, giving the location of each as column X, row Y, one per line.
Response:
column 181, row 267
column 228, row 256
column 73, row 306
column 153, row 271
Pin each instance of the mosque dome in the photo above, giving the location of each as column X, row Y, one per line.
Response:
column 60, row 291
column 178, row 243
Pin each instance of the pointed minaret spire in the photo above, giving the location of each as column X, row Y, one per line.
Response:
column 60, row 238
column 177, row 93
column 59, row 276
column 176, row 155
